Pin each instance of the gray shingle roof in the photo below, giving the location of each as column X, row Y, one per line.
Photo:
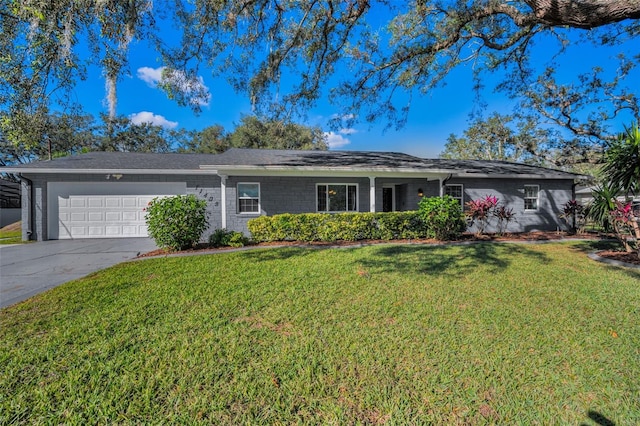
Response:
column 372, row 159
column 264, row 158
column 123, row 160
column 292, row 158
column 494, row 167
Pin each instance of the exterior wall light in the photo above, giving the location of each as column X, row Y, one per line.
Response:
column 420, row 193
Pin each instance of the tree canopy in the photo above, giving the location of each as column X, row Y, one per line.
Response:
column 254, row 132
column 419, row 44
column 520, row 139
column 276, row 134
column 287, row 55
column 210, row 140
column 64, row 134
column 499, row 138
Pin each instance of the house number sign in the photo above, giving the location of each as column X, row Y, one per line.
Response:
column 204, row 193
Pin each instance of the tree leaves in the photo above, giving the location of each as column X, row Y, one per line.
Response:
column 622, row 161
column 286, row 56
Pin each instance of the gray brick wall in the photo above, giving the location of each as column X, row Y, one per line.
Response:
column 298, row 195
column 552, row 197
column 285, row 195
column 208, row 189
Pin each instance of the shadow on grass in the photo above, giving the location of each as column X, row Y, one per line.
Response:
column 277, row 253
column 454, row 261
column 457, row 262
column 596, row 245
column 599, row 419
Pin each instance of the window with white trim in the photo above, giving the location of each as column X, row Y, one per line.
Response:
column 455, row 191
column 531, row 193
column 336, row 197
column 248, row 197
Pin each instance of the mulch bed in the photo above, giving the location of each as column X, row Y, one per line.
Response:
column 528, row 236
column 620, row 256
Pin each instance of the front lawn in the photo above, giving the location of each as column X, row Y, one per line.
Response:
column 389, row 334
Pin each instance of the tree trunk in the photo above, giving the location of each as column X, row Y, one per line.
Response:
column 620, row 236
column 584, row 13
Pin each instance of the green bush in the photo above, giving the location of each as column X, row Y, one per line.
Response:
column 224, row 238
column 176, row 222
column 443, row 217
column 310, row 227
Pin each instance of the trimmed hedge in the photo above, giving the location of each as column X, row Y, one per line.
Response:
column 310, row 227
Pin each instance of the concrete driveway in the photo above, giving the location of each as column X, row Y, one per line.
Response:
column 29, row 269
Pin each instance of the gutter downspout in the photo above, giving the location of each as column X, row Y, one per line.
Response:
column 223, row 201
column 29, row 198
column 443, row 182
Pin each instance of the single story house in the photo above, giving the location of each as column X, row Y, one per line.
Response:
column 102, row 194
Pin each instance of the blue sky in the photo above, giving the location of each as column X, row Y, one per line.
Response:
column 432, row 117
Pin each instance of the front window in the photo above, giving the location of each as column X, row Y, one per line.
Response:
column 531, row 197
column 456, row 192
column 337, row 198
column 248, row 198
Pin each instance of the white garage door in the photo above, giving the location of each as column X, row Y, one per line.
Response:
column 102, row 210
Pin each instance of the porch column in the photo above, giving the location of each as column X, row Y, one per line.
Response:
column 441, row 187
column 372, row 194
column 223, row 201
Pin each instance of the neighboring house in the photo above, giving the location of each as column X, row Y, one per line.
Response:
column 9, row 202
column 102, row 194
column 584, row 195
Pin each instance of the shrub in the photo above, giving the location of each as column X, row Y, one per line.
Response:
column 574, row 214
column 625, row 225
column 479, row 212
column 442, row 217
column 505, row 216
column 238, row 240
column 176, row 222
column 310, row 227
column 287, row 227
column 224, row 238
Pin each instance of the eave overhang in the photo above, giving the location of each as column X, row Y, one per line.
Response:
column 292, row 171
column 307, row 171
column 368, row 172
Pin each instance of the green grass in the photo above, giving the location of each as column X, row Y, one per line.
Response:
column 479, row 334
column 11, row 237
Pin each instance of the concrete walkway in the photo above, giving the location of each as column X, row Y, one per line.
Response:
column 29, row 269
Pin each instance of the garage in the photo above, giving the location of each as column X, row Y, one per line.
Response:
column 102, row 209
